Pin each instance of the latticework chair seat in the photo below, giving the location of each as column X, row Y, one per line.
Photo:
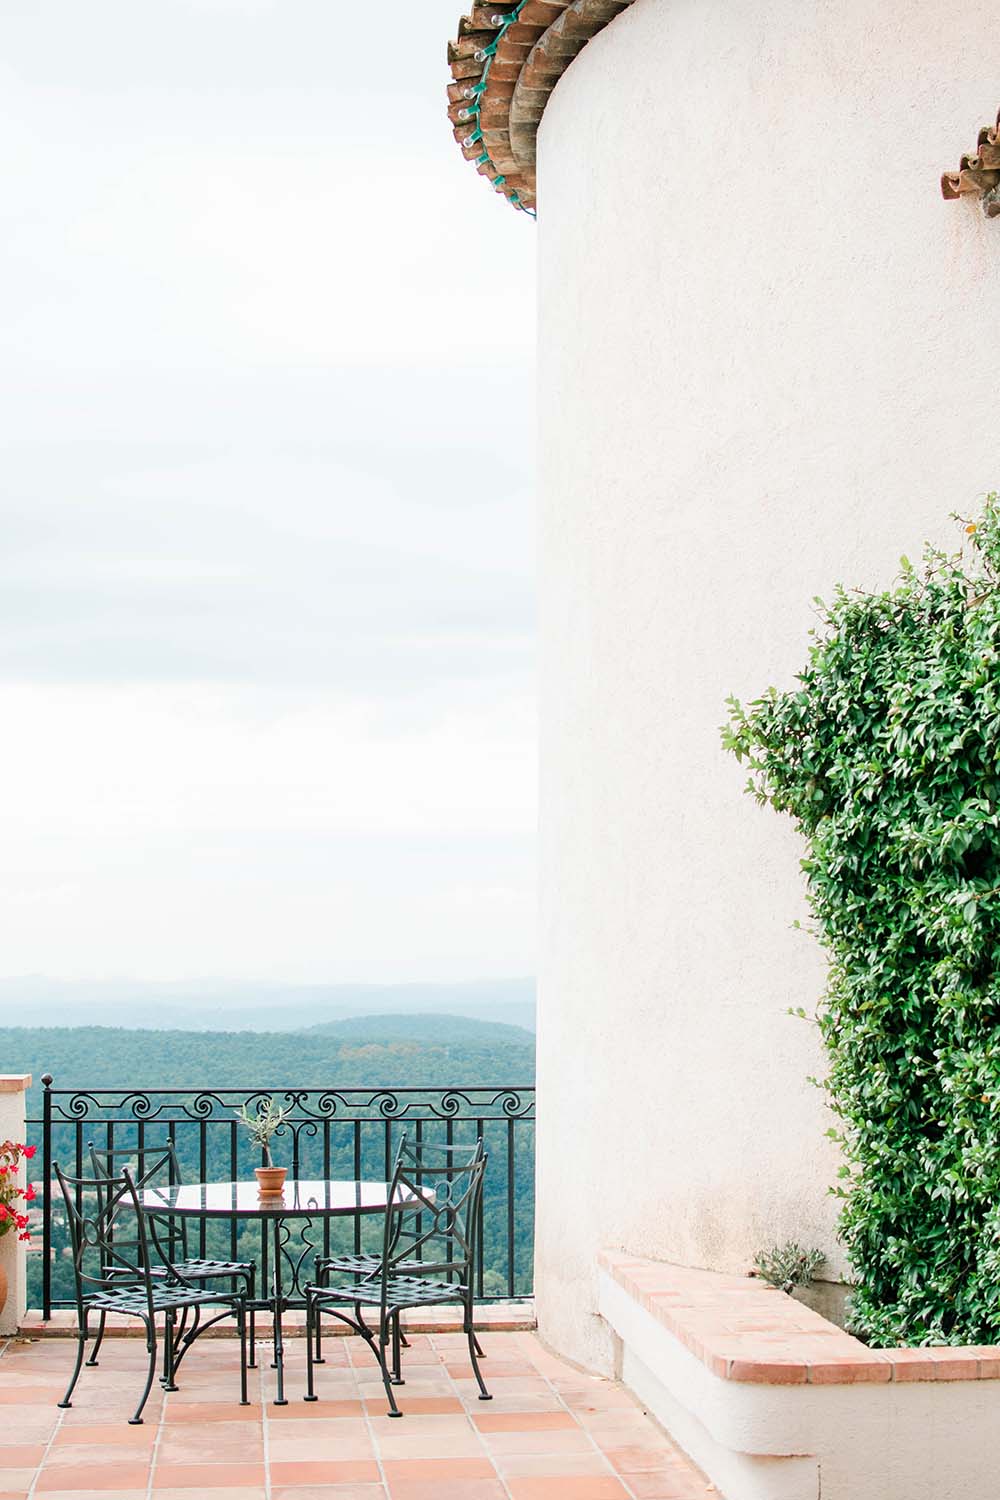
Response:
column 363, row 1265
column 400, row 1292
column 165, row 1298
column 348, row 1265
column 205, row 1270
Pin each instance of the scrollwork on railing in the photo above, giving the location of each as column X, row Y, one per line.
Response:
column 300, row 1105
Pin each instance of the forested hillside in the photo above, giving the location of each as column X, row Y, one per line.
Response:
column 374, row 1053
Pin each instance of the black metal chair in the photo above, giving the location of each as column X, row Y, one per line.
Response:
column 364, row 1265
column 116, row 1275
column 170, row 1235
column 431, row 1221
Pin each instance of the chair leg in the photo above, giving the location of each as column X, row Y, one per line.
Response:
column 312, row 1315
column 397, row 1372
column 169, row 1366
column 136, row 1421
column 241, row 1318
column 81, row 1339
column 182, row 1345
column 322, row 1278
column 377, row 1346
column 251, row 1291
column 484, row 1394
column 98, row 1342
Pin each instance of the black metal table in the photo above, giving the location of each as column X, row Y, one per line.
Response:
column 298, row 1200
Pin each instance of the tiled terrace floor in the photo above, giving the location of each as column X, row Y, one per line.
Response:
column 550, row 1433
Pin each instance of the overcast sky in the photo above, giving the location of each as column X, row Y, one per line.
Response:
column 266, row 573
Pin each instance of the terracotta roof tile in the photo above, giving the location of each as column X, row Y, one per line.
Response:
column 979, row 174
column 505, row 62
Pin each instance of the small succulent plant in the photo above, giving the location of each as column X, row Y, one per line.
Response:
column 788, row 1266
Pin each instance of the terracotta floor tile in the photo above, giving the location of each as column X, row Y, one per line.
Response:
column 310, row 1471
column 667, row 1486
column 241, row 1492
column 420, row 1406
column 436, row 1470
column 325, row 1450
column 412, row 1443
column 448, row 1489
column 212, row 1411
column 539, row 1440
column 226, row 1442
column 16, row 1481
column 80, row 1455
column 206, row 1476
column 22, row 1456
column 299, row 1410
column 118, row 1435
column 91, row 1494
column 548, row 1465
column 331, row 1492
column 580, row 1487
column 525, row 1421
column 99, row 1477
column 29, row 1395
column 636, row 1459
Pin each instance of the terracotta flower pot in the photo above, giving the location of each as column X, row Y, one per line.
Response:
column 270, row 1180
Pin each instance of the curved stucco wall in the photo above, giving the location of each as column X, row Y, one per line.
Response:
column 767, row 363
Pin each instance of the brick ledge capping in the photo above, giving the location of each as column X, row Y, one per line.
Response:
column 14, row 1083
column 743, row 1330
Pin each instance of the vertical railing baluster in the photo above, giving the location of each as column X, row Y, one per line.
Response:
column 419, row 1133
column 78, row 1163
column 233, row 1175
column 357, row 1175
column 326, row 1178
column 511, row 1178
column 478, row 1231
column 203, row 1174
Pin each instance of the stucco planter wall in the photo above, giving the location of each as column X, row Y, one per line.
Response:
column 774, row 1403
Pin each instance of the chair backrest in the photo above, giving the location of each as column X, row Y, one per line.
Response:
column 433, row 1213
column 104, row 1261
column 151, row 1166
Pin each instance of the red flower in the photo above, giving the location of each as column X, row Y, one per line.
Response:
column 29, row 1192
column 29, row 1151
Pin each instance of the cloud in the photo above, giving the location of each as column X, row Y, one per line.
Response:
column 265, row 490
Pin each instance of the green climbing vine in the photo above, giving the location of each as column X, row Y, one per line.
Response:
column 887, row 756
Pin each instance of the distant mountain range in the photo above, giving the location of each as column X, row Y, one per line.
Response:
column 216, row 1005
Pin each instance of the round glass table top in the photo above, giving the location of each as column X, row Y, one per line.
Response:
column 244, row 1199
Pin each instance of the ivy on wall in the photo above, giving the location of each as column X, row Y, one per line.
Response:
column 887, row 756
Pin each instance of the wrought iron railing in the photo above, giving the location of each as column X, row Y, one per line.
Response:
column 328, row 1133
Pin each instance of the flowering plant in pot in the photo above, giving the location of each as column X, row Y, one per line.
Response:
column 12, row 1198
column 261, row 1125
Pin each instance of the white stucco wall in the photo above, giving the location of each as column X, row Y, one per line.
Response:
column 767, row 363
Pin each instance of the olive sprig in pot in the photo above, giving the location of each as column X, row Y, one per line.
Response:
column 261, row 1125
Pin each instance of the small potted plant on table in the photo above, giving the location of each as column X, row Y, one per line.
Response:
column 262, row 1125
